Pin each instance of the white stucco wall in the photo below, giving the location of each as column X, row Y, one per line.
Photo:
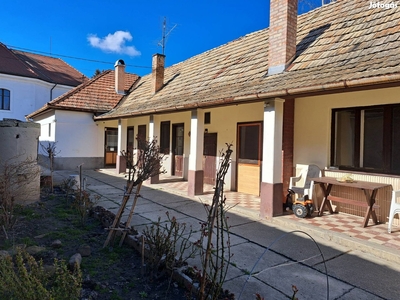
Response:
column 79, row 139
column 77, row 135
column 28, row 95
column 224, row 122
column 312, row 125
column 47, row 120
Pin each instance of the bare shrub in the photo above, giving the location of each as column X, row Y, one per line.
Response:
column 216, row 256
column 19, row 178
column 148, row 163
column 82, row 201
column 50, row 149
column 168, row 244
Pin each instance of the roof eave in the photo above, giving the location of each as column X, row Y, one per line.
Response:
column 52, row 107
column 39, row 112
column 329, row 88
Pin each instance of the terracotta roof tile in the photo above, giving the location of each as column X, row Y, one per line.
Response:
column 49, row 69
column 96, row 95
column 340, row 44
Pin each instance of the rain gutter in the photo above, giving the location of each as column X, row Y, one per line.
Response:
column 284, row 93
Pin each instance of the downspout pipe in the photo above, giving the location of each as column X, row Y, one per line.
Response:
column 51, row 91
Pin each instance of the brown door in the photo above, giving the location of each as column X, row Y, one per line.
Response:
column 130, row 139
column 209, row 157
column 249, row 158
column 165, row 137
column 110, row 146
column 141, row 136
column 177, row 149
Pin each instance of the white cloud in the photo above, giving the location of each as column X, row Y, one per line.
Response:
column 114, row 43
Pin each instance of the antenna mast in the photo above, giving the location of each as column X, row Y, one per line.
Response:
column 165, row 35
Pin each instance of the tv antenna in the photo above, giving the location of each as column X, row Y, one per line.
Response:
column 165, row 35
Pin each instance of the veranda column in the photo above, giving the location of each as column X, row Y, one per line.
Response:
column 196, row 174
column 271, row 185
column 154, row 133
column 122, row 135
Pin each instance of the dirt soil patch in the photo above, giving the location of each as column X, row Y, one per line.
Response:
column 108, row 273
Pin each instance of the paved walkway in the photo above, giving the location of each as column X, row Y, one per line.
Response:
column 361, row 263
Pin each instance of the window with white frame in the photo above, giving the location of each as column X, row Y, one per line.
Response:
column 366, row 139
column 4, row 99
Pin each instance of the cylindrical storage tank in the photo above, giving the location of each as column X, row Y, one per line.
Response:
column 76, row 181
column 18, row 159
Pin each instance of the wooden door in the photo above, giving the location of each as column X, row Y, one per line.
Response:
column 249, row 158
column 210, row 157
column 177, row 149
column 110, row 146
column 141, row 137
column 141, row 143
column 130, row 139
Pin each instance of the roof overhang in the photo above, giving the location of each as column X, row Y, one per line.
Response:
column 343, row 86
column 51, row 107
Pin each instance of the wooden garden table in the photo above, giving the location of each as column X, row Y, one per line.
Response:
column 370, row 189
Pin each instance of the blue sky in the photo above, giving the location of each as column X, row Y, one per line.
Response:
column 92, row 35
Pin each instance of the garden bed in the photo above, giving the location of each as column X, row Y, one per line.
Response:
column 110, row 273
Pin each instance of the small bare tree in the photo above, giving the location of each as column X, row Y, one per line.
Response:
column 51, row 151
column 17, row 175
column 148, row 163
column 215, row 258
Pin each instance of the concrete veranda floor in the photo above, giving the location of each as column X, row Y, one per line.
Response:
column 362, row 263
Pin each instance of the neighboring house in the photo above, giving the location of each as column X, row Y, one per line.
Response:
column 323, row 88
column 68, row 120
column 28, row 81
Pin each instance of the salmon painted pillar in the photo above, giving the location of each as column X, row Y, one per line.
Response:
column 271, row 179
column 122, row 135
column 154, row 133
column 196, row 173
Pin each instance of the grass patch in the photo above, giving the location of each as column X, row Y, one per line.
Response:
column 58, row 235
column 93, row 265
column 7, row 244
column 114, row 296
column 63, row 212
column 26, row 211
column 28, row 241
column 99, row 263
column 74, row 231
